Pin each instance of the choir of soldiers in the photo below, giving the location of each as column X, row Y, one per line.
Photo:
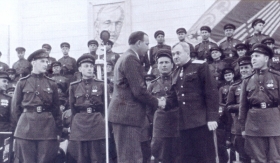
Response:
column 38, row 91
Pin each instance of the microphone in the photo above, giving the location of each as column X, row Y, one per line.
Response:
column 105, row 36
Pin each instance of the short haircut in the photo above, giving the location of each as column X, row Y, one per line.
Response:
column 184, row 45
column 135, row 36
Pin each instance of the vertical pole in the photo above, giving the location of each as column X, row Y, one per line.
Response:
column 8, row 57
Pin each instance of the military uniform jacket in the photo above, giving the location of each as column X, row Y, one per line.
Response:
column 112, row 56
column 262, row 88
column 216, row 68
column 194, row 91
column 228, row 46
column 5, row 117
column 22, row 67
column 165, row 121
column 130, row 96
column 153, row 51
column 62, row 84
column 49, row 68
column 275, row 60
column 85, row 95
column 233, row 100
column 255, row 38
column 203, row 50
column 69, row 66
column 32, row 91
column 3, row 66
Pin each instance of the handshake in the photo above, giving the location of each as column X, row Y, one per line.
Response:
column 161, row 102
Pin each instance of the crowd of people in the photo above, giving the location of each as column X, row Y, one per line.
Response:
column 175, row 104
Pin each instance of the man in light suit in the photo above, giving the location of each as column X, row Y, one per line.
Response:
column 127, row 108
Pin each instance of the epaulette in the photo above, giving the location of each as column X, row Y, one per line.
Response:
column 155, row 79
column 49, row 78
column 23, row 78
column 75, row 82
column 250, row 75
column 198, row 61
column 274, row 71
column 95, row 79
column 236, row 82
column 249, row 36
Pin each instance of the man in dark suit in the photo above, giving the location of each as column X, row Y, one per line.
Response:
column 193, row 90
column 127, row 107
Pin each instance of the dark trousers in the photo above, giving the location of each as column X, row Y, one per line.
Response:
column 222, row 148
column 197, row 145
column 146, row 151
column 36, row 151
column 238, row 143
column 165, row 150
column 263, row 149
column 88, row 151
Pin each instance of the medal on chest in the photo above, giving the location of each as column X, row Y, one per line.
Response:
column 181, row 73
column 269, row 84
column 94, row 89
column 225, row 91
column 275, row 59
column 4, row 102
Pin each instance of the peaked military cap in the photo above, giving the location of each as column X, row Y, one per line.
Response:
column 181, row 30
column 56, row 63
column 65, row 43
column 229, row 26
column 245, row 60
column 263, row 49
column 215, row 48
column 92, row 42
column 163, row 53
column 11, row 71
column 241, row 46
column 149, row 77
column 227, row 70
column 85, row 58
column 256, row 21
column 207, row 28
column 268, row 40
column 4, row 75
column 109, row 42
column 41, row 53
column 159, row 32
column 47, row 46
column 20, row 49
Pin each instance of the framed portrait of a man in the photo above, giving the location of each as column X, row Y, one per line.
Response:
column 113, row 17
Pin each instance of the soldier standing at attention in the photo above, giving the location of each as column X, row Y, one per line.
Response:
column 86, row 100
column 165, row 128
column 228, row 46
column 92, row 47
column 3, row 66
column 22, row 66
column 69, row 66
column 275, row 60
column 36, row 114
column 259, row 108
column 159, row 36
column 257, row 36
column 48, row 49
column 203, row 48
column 233, row 100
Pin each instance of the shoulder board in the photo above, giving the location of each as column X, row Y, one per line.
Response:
column 249, row 36
column 26, row 77
column 98, row 80
column 237, row 82
column 274, row 71
column 155, row 79
column 250, row 75
column 75, row 82
column 49, row 78
column 198, row 61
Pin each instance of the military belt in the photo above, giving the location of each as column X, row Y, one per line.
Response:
column 87, row 110
column 264, row 105
column 38, row 109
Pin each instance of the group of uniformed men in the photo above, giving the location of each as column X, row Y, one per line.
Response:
column 36, row 91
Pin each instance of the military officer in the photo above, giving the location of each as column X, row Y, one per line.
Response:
column 22, row 66
column 182, row 34
column 275, row 61
column 159, row 36
column 86, row 100
column 203, row 48
column 92, row 47
column 194, row 91
column 3, row 66
column 69, row 66
column 259, row 108
column 36, row 114
column 48, row 49
column 257, row 36
column 228, row 46
column 242, row 50
column 217, row 65
column 232, row 105
column 5, row 106
column 165, row 128
column 12, row 76
column 110, row 55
